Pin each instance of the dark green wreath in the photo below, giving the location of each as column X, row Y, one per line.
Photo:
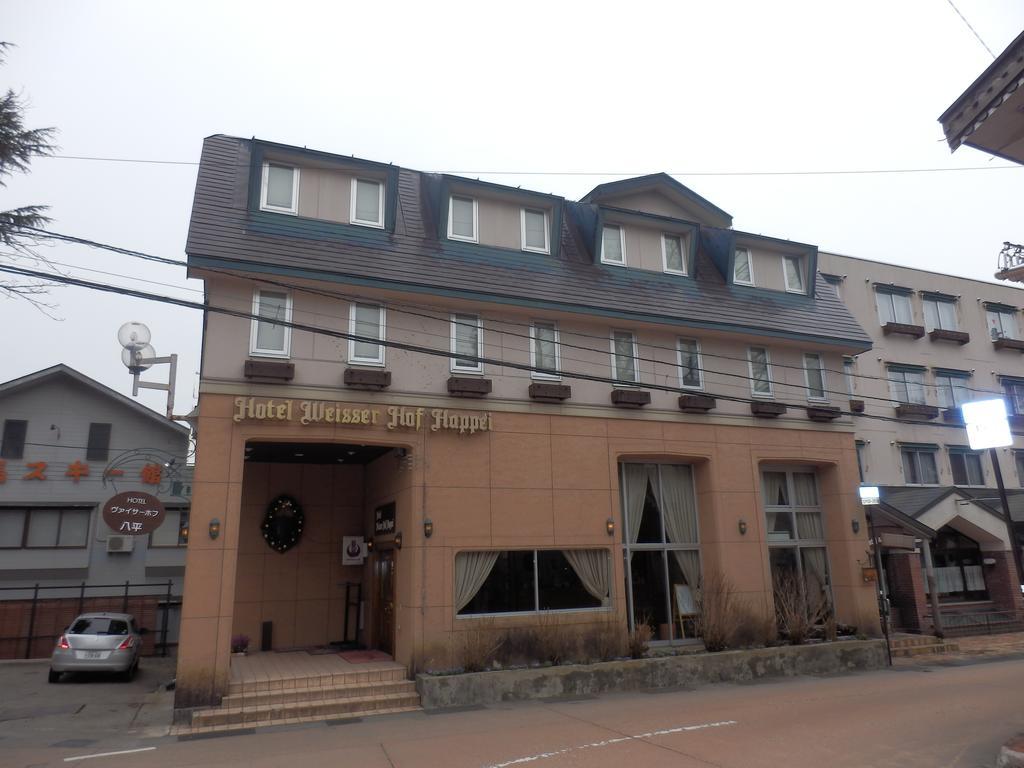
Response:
column 282, row 524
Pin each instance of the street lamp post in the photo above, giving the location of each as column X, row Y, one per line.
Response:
column 138, row 355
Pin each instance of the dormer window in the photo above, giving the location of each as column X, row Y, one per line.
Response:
column 367, row 203
column 793, row 273
column 534, row 226
column 613, row 250
column 462, row 219
column 742, row 267
column 280, row 190
column 673, row 257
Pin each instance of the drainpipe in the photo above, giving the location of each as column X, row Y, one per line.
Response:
column 933, row 592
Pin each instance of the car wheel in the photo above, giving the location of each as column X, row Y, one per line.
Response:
column 129, row 674
column 53, row 677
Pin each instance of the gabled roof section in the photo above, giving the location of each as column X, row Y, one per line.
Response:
column 914, row 501
column 703, row 210
column 65, row 371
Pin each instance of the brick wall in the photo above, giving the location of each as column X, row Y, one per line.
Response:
column 1001, row 580
column 53, row 615
column 906, row 592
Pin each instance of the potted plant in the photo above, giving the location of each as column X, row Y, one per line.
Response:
column 239, row 645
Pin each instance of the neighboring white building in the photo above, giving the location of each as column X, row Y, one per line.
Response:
column 68, row 444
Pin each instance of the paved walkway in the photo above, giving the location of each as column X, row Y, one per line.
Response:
column 1009, row 645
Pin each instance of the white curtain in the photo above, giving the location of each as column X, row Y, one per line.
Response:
column 808, row 526
column 804, row 489
column 677, row 504
column 775, row 489
column 634, row 479
column 949, row 579
column 471, row 571
column 815, row 570
column 591, row 565
column 975, row 578
column 689, row 564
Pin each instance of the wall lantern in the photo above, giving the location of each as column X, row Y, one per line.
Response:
column 215, row 528
column 369, row 545
column 609, row 526
column 428, row 528
column 855, row 524
column 398, row 540
column 743, row 527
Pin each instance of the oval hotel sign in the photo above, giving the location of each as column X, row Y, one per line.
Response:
column 134, row 513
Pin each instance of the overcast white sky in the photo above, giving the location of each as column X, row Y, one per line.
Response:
column 602, row 88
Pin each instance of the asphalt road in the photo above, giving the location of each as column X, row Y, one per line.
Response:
column 949, row 715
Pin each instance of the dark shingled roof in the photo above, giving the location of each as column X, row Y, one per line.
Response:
column 228, row 231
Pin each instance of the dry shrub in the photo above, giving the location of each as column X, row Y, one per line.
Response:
column 798, row 609
column 521, row 645
column 556, row 642
column 434, row 658
column 604, row 642
column 719, row 611
column 752, row 628
column 477, row 649
column 639, row 640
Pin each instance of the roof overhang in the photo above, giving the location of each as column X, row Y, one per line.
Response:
column 989, row 115
column 699, row 207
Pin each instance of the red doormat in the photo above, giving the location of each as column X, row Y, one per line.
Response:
column 361, row 657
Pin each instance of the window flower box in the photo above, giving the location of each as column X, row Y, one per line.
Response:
column 857, row 406
column 550, row 393
column 362, row 378
column 903, row 329
column 916, row 411
column 696, row 403
column 468, row 386
column 269, row 369
column 940, row 334
column 823, row 412
column 1004, row 343
column 631, row 398
column 952, row 416
column 767, row 410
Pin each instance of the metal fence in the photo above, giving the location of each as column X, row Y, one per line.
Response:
column 33, row 617
column 982, row 622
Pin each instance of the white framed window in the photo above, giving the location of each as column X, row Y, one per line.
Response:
column 966, row 467
column 742, row 267
column 535, row 230
column 268, row 336
column 174, row 530
column 760, row 372
column 280, row 189
column 673, row 254
column 893, row 307
column 919, row 466
column 467, row 343
column 814, row 376
column 545, row 355
column 613, row 245
column 939, row 314
column 691, row 370
column 1014, row 396
column 907, row 386
column 1002, row 323
column 793, row 274
column 462, row 219
column 848, row 375
column 952, row 389
column 862, row 459
column 624, row 357
column 367, row 320
column 367, row 203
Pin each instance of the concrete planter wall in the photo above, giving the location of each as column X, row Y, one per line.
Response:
column 477, row 688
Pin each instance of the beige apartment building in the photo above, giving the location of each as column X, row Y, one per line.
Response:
column 429, row 402
column 937, row 341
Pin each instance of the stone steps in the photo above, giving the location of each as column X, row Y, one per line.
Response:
column 306, row 710
column 316, row 693
column 921, row 645
column 386, row 674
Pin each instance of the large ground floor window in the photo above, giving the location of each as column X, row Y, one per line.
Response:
column 796, row 537
column 959, row 575
column 525, row 581
column 661, row 549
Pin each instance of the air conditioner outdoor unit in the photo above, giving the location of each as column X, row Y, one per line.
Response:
column 120, row 543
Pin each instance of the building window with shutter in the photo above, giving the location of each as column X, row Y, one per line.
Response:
column 99, row 442
column 13, row 445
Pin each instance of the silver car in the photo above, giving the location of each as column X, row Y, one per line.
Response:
column 98, row 642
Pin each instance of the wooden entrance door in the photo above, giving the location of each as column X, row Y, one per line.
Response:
column 385, row 629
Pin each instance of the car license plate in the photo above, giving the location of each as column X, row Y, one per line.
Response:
column 93, row 654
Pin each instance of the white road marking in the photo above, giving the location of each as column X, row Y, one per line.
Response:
column 609, row 742
column 109, row 754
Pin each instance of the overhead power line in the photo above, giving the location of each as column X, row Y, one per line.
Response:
column 424, row 312
column 832, row 172
column 415, row 348
column 973, row 30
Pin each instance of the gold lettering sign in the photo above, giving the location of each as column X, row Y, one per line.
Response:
column 307, row 412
